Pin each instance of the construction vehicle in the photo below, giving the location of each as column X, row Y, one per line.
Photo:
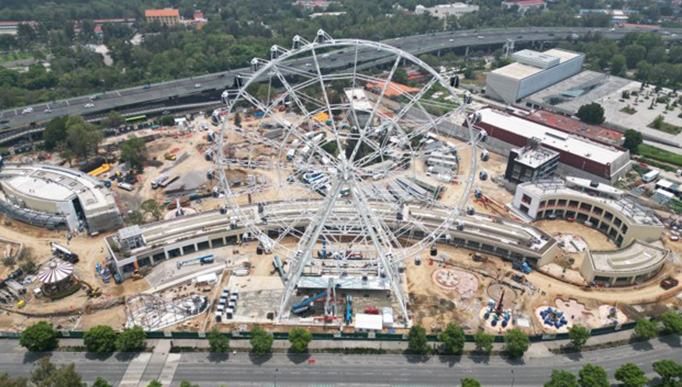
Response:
column 63, row 253
column 669, row 283
column 307, row 303
column 136, row 274
column 522, row 267
column 169, row 156
column 206, row 259
column 349, row 309
column 94, row 293
column 98, row 171
column 518, row 278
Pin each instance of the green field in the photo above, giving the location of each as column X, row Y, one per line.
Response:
column 666, row 127
column 659, row 154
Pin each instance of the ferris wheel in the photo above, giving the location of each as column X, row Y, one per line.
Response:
column 357, row 156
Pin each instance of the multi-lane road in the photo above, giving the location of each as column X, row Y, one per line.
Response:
column 103, row 102
column 335, row 369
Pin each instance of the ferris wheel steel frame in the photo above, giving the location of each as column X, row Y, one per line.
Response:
column 388, row 249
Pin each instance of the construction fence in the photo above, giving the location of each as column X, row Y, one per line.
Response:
column 359, row 336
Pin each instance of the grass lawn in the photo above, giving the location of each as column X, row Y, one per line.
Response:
column 659, row 154
column 628, row 110
column 666, row 127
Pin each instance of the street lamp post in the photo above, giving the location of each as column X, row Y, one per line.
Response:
column 276, row 369
column 513, row 378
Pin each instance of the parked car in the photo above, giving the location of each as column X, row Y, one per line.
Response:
column 89, row 105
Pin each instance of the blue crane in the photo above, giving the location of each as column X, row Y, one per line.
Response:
column 307, row 303
column 206, row 259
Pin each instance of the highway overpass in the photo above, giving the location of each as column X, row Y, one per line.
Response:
column 14, row 123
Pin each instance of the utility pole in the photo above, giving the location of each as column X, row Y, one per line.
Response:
column 513, row 378
column 277, row 369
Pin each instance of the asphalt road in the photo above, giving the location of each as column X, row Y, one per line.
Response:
column 17, row 118
column 343, row 370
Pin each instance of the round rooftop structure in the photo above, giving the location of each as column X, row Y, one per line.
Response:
column 56, row 276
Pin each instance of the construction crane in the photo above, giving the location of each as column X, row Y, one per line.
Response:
column 206, row 259
column 307, row 303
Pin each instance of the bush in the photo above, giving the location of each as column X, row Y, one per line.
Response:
column 517, row 342
column 469, row 382
column 132, row 340
column 453, row 338
column 218, row 342
column 484, row 342
column 646, row 328
column 299, row 339
column 100, row 382
column 39, row 337
column 100, row 339
column 416, row 341
column 261, row 341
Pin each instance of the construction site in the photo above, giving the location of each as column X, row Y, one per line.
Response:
column 335, row 201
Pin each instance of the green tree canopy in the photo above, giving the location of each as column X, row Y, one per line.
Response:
column 631, row 375
column 517, row 342
column 592, row 113
column 562, row 378
column 593, row 376
column 299, row 339
column 469, row 382
column 131, row 340
column 101, row 382
column 151, row 207
column 578, row 335
column 218, row 342
column 47, row 375
column 453, row 338
column 39, row 337
column 100, row 339
column 669, row 371
column 167, row 121
column 416, row 340
column 618, row 64
column 261, row 341
column 646, row 328
column 114, row 120
column 632, row 140
column 155, row 383
column 54, row 132
column 134, row 152
column 672, row 322
column 484, row 342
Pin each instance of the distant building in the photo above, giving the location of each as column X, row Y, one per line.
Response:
column 447, row 10
column 98, row 31
column 617, row 15
column 531, row 71
column 532, row 162
column 168, row 17
column 523, row 6
column 322, row 14
column 310, row 4
column 199, row 20
column 12, row 27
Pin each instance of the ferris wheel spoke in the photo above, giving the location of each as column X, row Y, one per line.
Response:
column 380, row 99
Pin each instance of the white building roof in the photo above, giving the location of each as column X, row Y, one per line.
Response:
column 370, row 322
column 358, row 99
column 557, row 139
column 563, row 55
column 517, row 70
column 637, row 257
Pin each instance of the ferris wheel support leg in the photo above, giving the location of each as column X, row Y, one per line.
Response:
column 307, row 245
column 383, row 247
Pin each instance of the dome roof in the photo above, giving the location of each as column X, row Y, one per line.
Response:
column 55, row 272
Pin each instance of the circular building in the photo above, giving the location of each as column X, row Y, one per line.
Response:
column 56, row 277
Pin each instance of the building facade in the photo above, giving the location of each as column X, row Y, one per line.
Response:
column 169, row 17
column 444, row 11
column 531, row 163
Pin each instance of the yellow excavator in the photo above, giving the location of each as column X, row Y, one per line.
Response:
column 136, row 273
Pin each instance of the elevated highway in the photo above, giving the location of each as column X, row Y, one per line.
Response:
column 15, row 123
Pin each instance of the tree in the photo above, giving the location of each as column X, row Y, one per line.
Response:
column 9, row 262
column 669, row 371
column 416, row 341
column 47, row 375
column 39, row 337
column 631, row 375
column 469, row 382
column 593, row 376
column 154, row 383
column 517, row 342
column 100, row 382
column 151, row 207
column 578, row 335
column 400, row 75
column 617, row 64
column 237, row 120
column 634, row 53
column 218, row 342
column 82, row 137
column 672, row 322
column 484, row 342
column 592, row 113
column 562, row 378
column 134, row 152
column 632, row 140
column 299, row 339
column 135, row 217
column 453, row 338
column 167, row 121
column 114, row 120
column 100, row 339
column 54, row 132
column 185, row 383
column 261, row 341
column 658, row 122
column 646, row 328
column 131, row 340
